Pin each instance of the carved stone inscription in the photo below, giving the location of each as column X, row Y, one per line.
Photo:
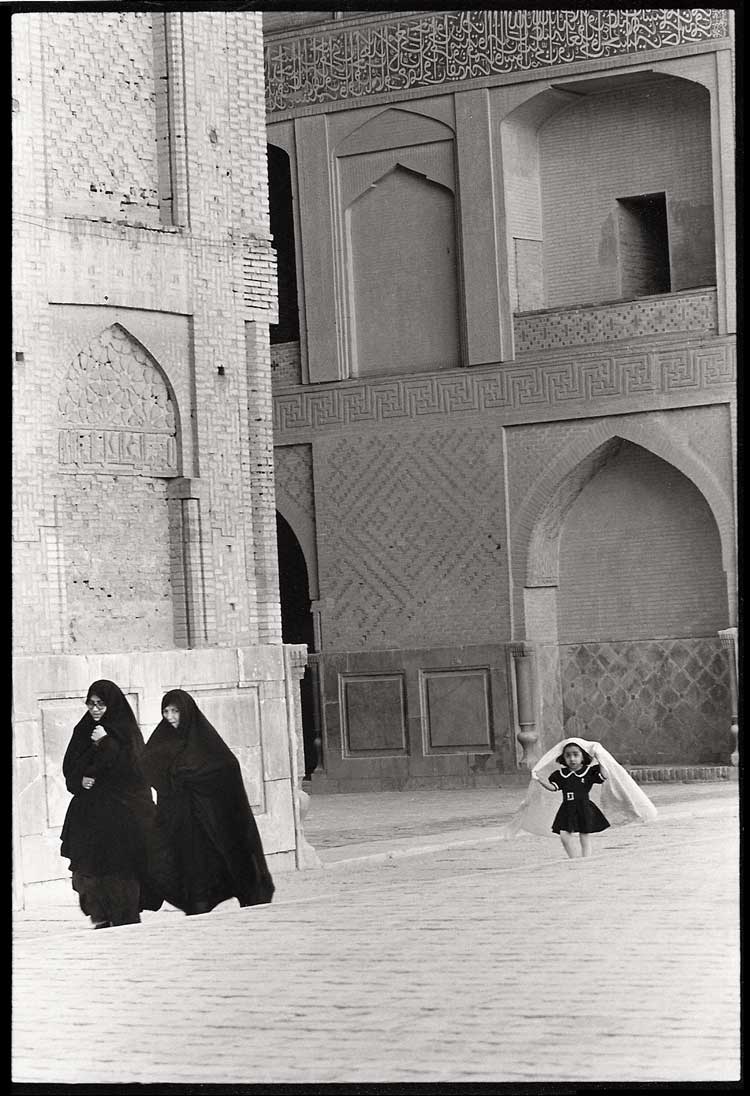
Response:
column 115, row 411
column 441, row 47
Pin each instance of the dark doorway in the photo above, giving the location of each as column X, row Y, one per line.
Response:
column 297, row 627
column 282, row 230
column 644, row 245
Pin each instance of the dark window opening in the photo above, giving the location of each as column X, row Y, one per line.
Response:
column 644, row 245
column 297, row 627
column 282, row 230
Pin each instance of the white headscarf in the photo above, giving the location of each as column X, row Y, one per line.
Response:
column 619, row 797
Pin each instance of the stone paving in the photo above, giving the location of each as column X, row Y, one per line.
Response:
column 484, row 961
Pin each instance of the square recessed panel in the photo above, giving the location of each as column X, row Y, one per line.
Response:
column 456, row 710
column 236, row 716
column 373, row 714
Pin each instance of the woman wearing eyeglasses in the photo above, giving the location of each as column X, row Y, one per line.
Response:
column 106, row 832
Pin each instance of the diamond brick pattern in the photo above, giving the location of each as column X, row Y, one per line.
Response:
column 672, row 314
column 657, row 702
column 294, row 476
column 424, row 556
column 103, row 84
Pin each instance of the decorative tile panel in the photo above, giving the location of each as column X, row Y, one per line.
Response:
column 442, row 47
column 652, row 702
column 588, row 324
column 115, row 411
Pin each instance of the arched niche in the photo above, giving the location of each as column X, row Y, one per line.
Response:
column 117, row 410
column 594, row 170
column 625, row 592
column 402, row 273
column 543, row 513
column 118, row 427
column 639, row 554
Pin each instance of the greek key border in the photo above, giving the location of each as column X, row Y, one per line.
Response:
column 510, row 388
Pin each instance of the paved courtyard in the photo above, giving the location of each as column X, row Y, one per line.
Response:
column 478, row 960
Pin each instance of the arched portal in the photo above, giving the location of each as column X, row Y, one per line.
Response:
column 297, row 627
column 629, row 567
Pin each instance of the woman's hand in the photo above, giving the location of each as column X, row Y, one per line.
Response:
column 88, row 782
column 97, row 734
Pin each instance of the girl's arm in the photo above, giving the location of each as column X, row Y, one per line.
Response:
column 545, row 783
column 598, row 760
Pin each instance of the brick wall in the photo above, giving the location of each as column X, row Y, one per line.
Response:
column 286, row 366
column 100, row 107
column 619, row 145
column 201, row 298
column 411, row 536
column 116, row 542
column 640, row 556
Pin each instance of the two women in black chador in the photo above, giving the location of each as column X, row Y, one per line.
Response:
column 196, row 848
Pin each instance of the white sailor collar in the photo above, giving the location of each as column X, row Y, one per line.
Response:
column 565, row 772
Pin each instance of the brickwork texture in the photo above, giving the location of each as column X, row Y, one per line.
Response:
column 577, row 496
column 144, row 511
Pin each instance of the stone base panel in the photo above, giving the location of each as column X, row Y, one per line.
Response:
column 418, row 718
column 246, row 692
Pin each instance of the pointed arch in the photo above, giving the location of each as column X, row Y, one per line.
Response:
column 303, row 530
column 542, row 516
column 394, row 128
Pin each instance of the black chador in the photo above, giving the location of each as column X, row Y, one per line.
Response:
column 105, row 834
column 207, row 846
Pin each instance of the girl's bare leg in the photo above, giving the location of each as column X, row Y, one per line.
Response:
column 585, row 844
column 568, row 840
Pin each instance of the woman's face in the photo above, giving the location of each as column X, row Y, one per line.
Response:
column 172, row 715
column 96, row 707
column 573, row 757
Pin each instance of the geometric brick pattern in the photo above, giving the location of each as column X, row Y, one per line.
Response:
column 569, row 383
column 294, row 477
column 440, row 47
column 407, row 552
column 678, row 312
column 652, row 702
column 103, row 83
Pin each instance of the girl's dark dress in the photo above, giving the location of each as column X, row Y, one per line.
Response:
column 207, row 845
column 105, row 834
column 577, row 813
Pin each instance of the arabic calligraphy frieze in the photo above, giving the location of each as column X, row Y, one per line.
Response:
column 441, row 47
